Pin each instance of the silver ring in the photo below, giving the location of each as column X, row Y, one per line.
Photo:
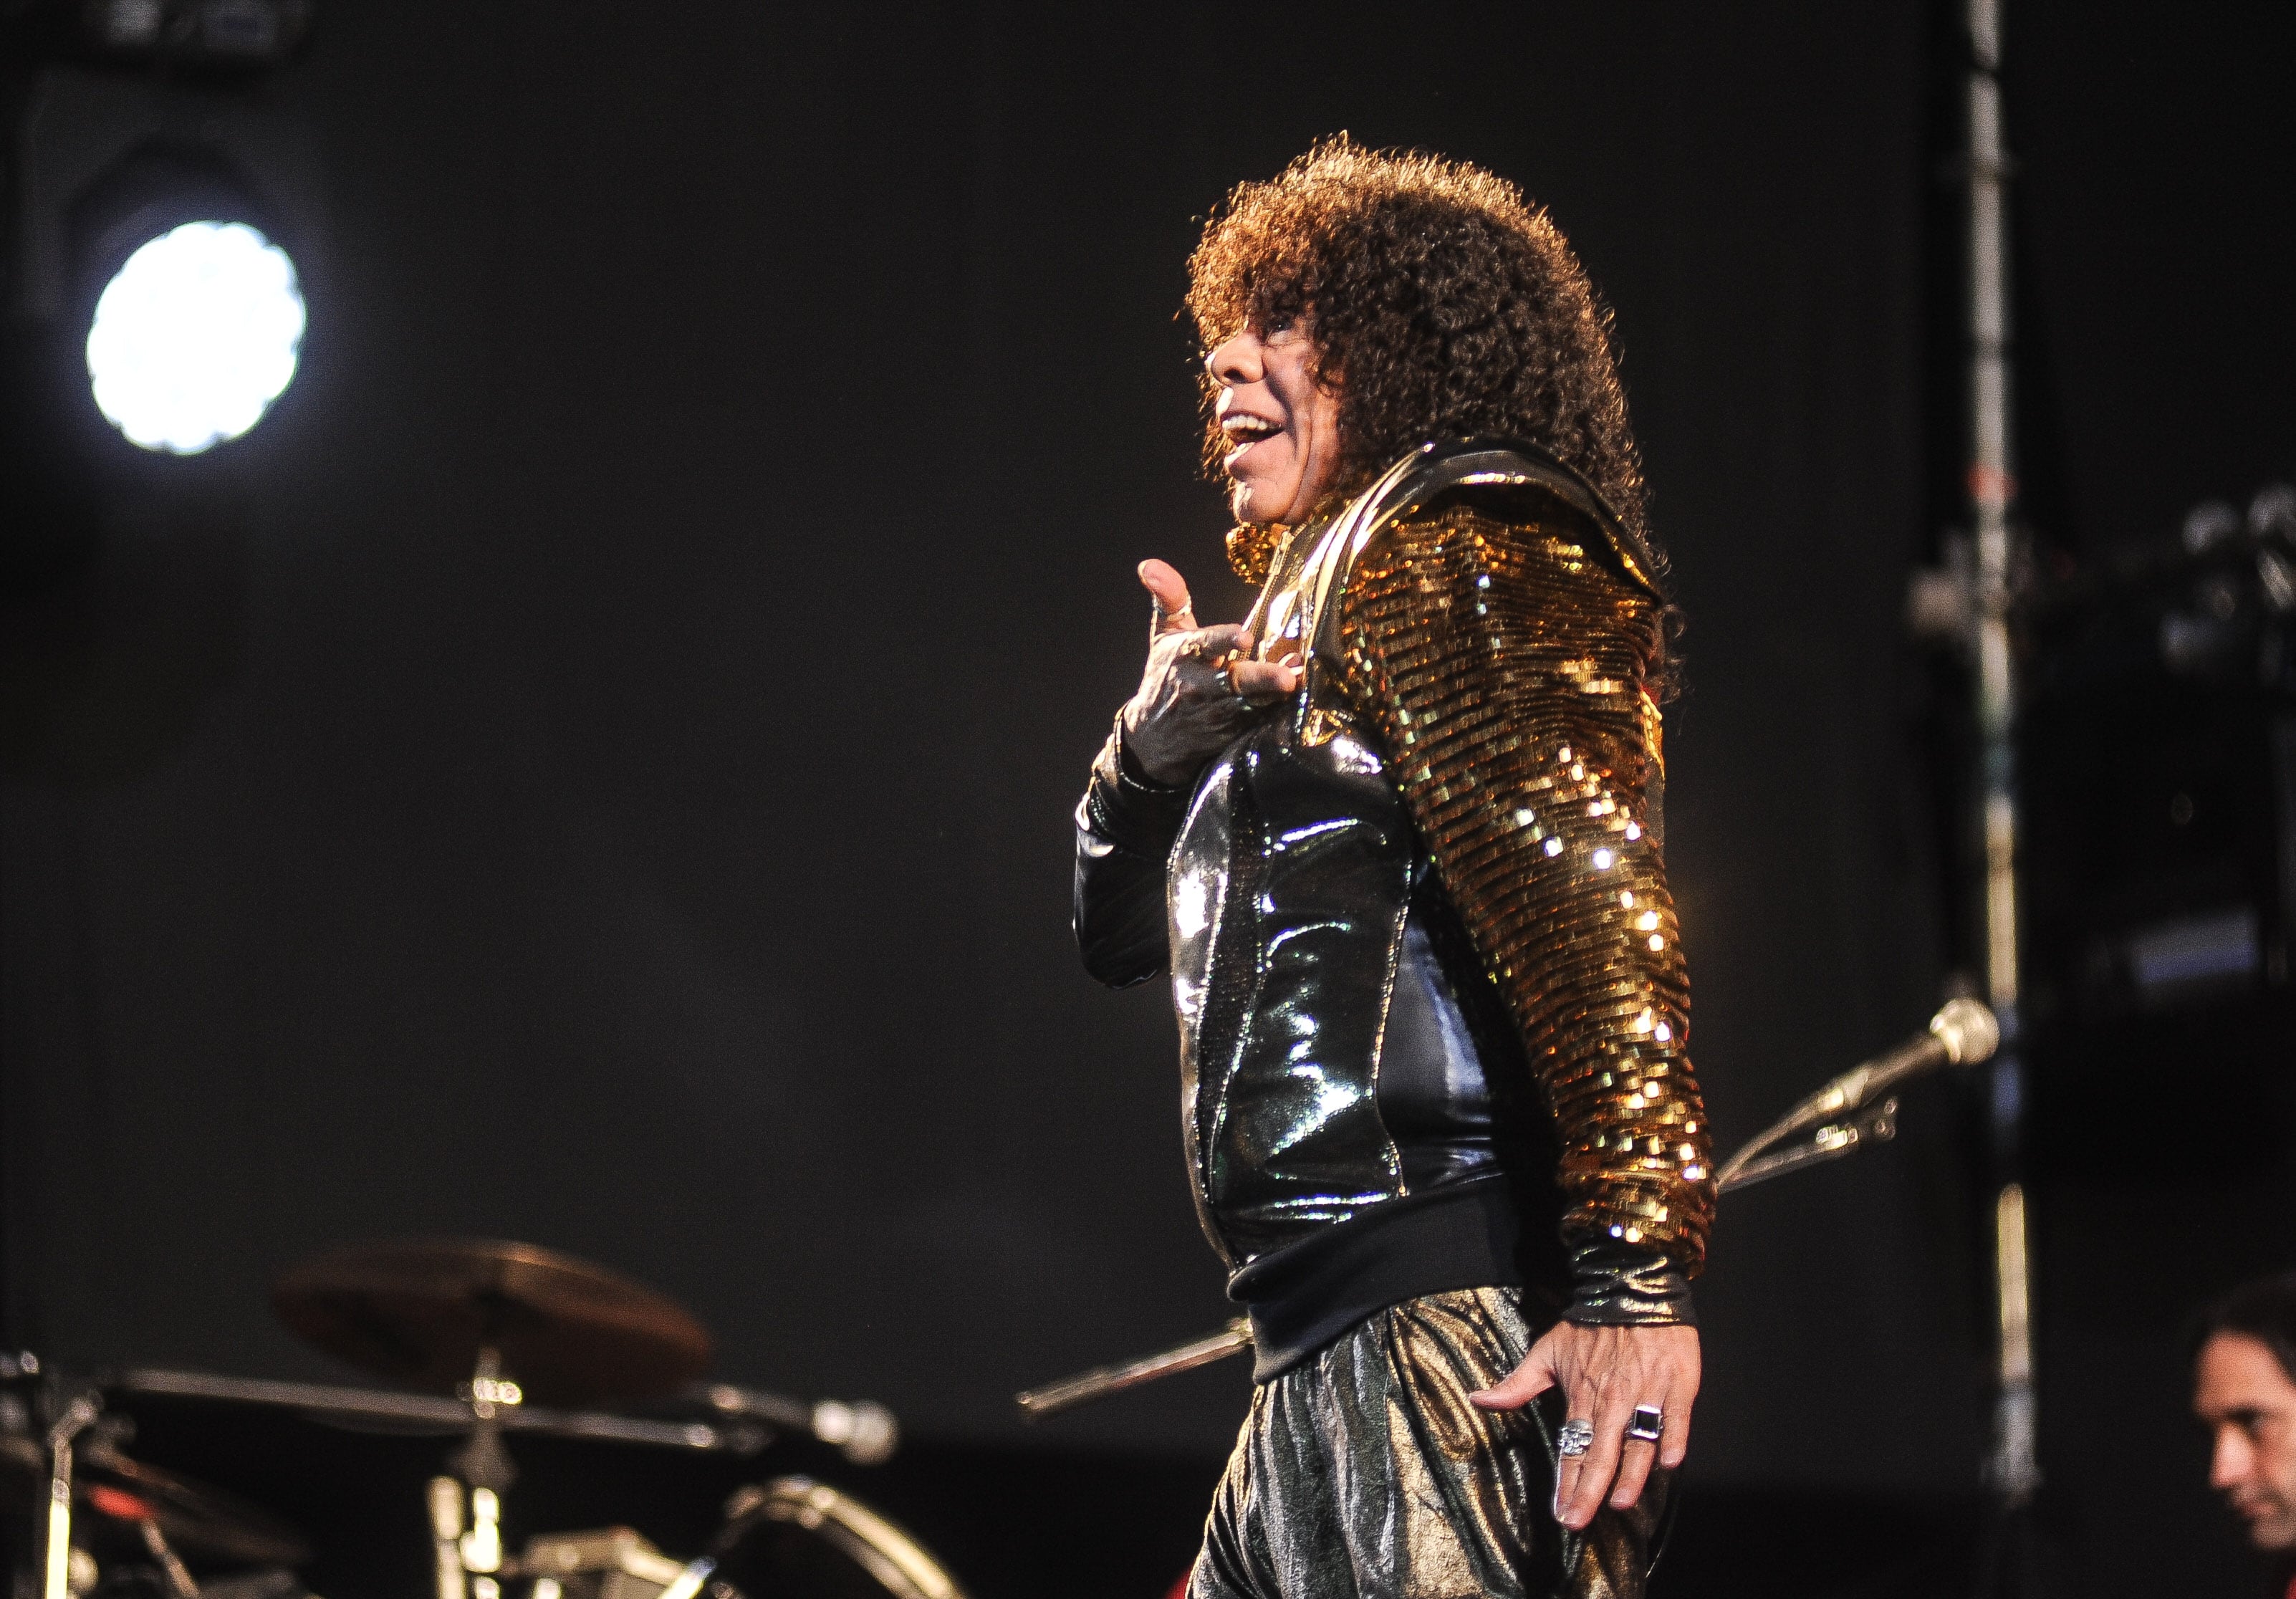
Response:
column 1574, row 1437
column 1648, row 1423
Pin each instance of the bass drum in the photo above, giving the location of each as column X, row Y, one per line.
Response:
column 796, row 1538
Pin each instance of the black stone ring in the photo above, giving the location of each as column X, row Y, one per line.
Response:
column 1648, row 1422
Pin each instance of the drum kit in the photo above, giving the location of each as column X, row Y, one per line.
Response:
column 482, row 1340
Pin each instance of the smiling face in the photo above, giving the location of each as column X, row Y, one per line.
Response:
column 2247, row 1402
column 1282, row 426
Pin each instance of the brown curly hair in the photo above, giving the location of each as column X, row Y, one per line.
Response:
column 1442, row 303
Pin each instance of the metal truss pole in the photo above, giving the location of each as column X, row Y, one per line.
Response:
column 2013, row 1470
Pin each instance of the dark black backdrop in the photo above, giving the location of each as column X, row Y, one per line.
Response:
column 597, row 769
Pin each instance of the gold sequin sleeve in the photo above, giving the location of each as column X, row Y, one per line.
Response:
column 1505, row 666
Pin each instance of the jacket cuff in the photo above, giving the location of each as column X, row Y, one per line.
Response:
column 1621, row 1287
column 1128, row 809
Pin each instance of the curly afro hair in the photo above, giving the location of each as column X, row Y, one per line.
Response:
column 1443, row 304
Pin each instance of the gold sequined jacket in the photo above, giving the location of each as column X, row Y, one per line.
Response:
column 1433, row 1012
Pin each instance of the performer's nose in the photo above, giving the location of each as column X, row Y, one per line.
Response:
column 1234, row 361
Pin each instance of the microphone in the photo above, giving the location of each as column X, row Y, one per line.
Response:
column 1962, row 1033
column 864, row 1432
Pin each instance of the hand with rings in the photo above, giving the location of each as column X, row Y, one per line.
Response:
column 1202, row 684
column 1629, row 1391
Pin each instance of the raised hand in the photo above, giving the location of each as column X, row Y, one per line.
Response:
column 1201, row 688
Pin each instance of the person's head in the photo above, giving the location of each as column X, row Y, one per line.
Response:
column 2244, row 1392
column 1362, row 302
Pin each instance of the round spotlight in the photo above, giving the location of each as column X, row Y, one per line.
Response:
column 195, row 337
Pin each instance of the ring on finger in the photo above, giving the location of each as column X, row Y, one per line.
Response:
column 1647, row 1424
column 1574, row 1437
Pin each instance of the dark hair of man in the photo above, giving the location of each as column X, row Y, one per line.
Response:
column 2264, row 1309
column 1442, row 303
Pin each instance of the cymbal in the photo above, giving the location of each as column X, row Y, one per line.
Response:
column 418, row 1310
column 200, row 1522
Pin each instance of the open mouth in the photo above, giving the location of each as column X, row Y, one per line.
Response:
column 1242, row 431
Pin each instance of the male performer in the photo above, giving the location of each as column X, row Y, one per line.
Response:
column 1396, row 841
column 2244, row 1392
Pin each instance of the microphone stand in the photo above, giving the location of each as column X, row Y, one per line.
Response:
column 2020, row 1561
column 1853, row 1110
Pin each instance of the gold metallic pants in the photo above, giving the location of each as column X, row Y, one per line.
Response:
column 1364, row 1474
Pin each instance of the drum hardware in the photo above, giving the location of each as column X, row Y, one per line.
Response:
column 444, row 1315
column 79, row 1414
column 492, row 1322
column 449, row 1571
column 864, row 1433
column 1854, row 1110
column 83, row 1468
column 819, row 1538
column 1234, row 1339
column 789, row 1536
column 327, row 1402
column 514, row 1322
column 156, row 1544
column 195, row 1520
column 618, row 1563
column 473, row 1557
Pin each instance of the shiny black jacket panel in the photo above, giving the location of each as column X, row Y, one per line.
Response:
column 1327, row 1065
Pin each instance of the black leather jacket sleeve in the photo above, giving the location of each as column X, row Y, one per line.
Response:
column 1124, row 828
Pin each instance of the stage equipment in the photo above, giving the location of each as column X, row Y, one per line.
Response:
column 194, row 336
column 428, row 1313
column 163, row 219
column 170, row 1510
column 1856, row 1108
column 799, row 1537
column 156, row 276
column 2159, row 743
column 791, row 1536
column 488, row 1321
column 493, row 1324
column 1972, row 602
column 2014, row 1468
column 215, row 35
column 327, row 1402
column 1098, row 1383
column 864, row 1433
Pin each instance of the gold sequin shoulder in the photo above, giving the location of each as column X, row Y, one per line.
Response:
column 1503, row 665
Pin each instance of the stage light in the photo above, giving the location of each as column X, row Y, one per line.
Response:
column 210, row 34
column 195, row 336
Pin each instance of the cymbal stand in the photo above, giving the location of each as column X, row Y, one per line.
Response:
column 163, row 1556
column 482, row 1462
column 446, row 1536
column 78, row 1417
column 468, row 1559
